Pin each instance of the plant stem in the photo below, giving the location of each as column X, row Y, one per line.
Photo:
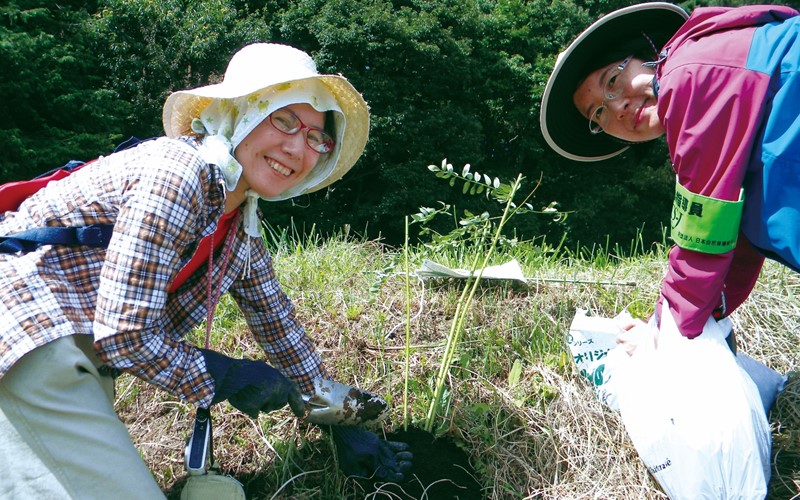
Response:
column 408, row 331
column 464, row 301
column 449, row 351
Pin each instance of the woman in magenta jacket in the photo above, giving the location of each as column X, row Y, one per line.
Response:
column 723, row 87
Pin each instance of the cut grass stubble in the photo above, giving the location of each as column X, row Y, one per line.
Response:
column 542, row 434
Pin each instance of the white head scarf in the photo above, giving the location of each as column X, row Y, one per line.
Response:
column 225, row 123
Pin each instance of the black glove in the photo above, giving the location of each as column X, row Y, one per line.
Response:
column 252, row 386
column 363, row 453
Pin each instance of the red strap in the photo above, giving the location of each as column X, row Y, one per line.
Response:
column 200, row 256
column 12, row 194
column 211, row 292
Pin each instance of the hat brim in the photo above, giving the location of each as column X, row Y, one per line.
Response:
column 563, row 127
column 183, row 106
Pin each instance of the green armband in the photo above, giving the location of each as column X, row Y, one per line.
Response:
column 705, row 224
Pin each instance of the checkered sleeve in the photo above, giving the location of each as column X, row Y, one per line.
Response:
column 162, row 211
column 271, row 317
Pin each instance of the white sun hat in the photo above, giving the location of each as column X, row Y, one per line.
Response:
column 287, row 72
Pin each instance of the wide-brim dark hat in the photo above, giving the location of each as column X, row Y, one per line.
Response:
column 564, row 128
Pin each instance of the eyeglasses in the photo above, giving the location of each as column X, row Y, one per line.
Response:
column 287, row 122
column 612, row 89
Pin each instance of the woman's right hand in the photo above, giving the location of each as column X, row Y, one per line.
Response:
column 252, row 386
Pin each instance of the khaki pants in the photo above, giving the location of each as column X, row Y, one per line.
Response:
column 59, row 435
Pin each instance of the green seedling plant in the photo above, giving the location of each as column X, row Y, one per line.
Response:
column 469, row 228
column 484, row 232
column 406, row 367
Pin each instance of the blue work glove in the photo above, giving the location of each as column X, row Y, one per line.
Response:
column 362, row 453
column 251, row 386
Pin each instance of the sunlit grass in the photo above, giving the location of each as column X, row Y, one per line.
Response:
column 512, row 399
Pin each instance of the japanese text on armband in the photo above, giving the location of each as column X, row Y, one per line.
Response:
column 705, row 224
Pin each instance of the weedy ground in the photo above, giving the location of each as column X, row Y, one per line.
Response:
column 515, row 403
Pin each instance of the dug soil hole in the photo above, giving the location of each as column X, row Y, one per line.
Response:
column 441, row 470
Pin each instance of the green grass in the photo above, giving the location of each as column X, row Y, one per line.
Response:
column 513, row 400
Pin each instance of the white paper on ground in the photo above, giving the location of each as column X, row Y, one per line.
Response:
column 508, row 271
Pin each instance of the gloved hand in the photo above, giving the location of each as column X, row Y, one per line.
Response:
column 363, row 453
column 252, row 386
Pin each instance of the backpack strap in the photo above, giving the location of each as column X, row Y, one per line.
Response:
column 94, row 235
column 14, row 193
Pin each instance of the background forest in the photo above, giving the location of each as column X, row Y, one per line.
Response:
column 454, row 79
column 451, row 79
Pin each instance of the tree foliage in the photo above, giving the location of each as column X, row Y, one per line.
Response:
column 443, row 78
column 54, row 103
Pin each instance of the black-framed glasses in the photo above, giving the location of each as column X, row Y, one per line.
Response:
column 612, row 89
column 287, row 122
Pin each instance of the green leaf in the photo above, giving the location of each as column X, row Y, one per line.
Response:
column 515, row 373
column 465, row 188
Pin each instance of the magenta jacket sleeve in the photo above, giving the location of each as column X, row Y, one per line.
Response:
column 711, row 107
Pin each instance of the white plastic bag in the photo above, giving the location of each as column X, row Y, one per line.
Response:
column 593, row 341
column 694, row 415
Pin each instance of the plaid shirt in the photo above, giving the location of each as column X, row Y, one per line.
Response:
column 162, row 199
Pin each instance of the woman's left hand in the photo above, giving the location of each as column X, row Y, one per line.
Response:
column 362, row 453
column 629, row 336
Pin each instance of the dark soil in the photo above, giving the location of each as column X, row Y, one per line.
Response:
column 441, row 471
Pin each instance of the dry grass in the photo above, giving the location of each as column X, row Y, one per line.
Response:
column 543, row 436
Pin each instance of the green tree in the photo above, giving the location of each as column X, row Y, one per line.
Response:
column 463, row 81
column 153, row 47
column 444, row 79
column 436, row 90
column 52, row 98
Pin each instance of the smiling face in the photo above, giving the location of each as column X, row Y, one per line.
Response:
column 632, row 112
column 273, row 161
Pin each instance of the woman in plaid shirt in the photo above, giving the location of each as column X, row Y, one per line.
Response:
column 273, row 129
